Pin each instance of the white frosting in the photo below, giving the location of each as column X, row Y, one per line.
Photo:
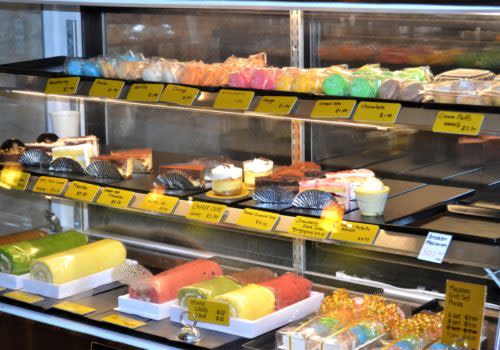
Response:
column 351, row 173
column 258, row 165
column 226, row 171
column 371, row 184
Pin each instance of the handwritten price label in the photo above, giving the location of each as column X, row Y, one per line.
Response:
column 123, row 321
column 378, row 112
column 50, row 185
column 74, row 308
column 62, row 86
column 180, row 95
column 106, row 88
column 276, row 104
column 356, row 232
column 14, row 179
column 233, row 99
column 115, row 198
column 207, row 212
column 324, row 109
column 305, row 227
column 159, row 203
column 81, row 191
column 435, row 247
column 145, row 92
column 460, row 123
column 208, row 312
column 257, row 219
column 23, row 297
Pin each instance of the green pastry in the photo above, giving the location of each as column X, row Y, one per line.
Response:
column 335, row 85
column 362, row 87
column 206, row 290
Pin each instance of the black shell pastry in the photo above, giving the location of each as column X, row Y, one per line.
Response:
column 66, row 165
column 47, row 138
column 312, row 199
column 12, row 144
column 35, row 158
column 273, row 194
column 175, row 180
column 103, row 169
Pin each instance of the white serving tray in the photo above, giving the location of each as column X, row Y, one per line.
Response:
column 12, row 281
column 145, row 309
column 252, row 329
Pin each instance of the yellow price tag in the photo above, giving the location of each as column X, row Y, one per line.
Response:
column 460, row 123
column 50, row 185
column 123, row 321
column 81, row 191
column 23, row 297
column 207, row 212
column 74, row 308
column 463, row 313
column 106, row 88
column 324, row 109
column 276, row 104
column 14, row 179
column 305, row 227
column 257, row 219
column 180, row 95
column 159, row 203
column 378, row 112
column 208, row 312
column 2, row 289
column 115, row 198
column 145, row 92
column 356, row 232
column 233, row 99
column 62, row 86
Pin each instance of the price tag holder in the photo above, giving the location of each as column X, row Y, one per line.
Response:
column 435, row 247
column 207, row 212
column 459, row 123
column 23, row 297
column 123, row 321
column 115, row 198
column 62, row 86
column 463, row 313
column 179, row 95
column 356, row 232
column 305, row 227
column 106, row 88
column 378, row 112
column 159, row 203
column 50, row 185
column 74, row 308
column 276, row 104
column 234, row 99
column 257, row 219
column 14, row 179
column 145, row 92
column 208, row 312
column 82, row 191
column 326, row 109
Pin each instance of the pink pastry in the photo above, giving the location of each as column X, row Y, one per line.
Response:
column 341, row 189
column 264, row 79
column 241, row 79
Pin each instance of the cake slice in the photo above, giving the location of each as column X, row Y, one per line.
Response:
column 195, row 173
column 142, row 158
column 81, row 153
column 125, row 164
column 340, row 189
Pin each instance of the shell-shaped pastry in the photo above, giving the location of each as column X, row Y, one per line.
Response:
column 34, row 158
column 175, row 180
column 65, row 165
column 312, row 199
column 273, row 194
column 103, row 169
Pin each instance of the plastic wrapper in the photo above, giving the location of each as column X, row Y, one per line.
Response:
column 354, row 336
column 86, row 67
column 309, row 81
column 241, row 79
column 22, row 236
column 79, row 262
column 400, row 89
column 257, row 60
column 192, row 73
column 118, row 67
column 462, row 73
column 264, row 78
column 336, row 85
column 460, row 91
column 416, row 332
column 285, row 78
column 164, row 286
column 216, row 75
column 16, row 258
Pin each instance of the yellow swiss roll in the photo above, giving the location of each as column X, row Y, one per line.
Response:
column 250, row 302
column 79, row 262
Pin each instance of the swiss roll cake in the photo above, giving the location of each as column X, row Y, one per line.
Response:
column 22, row 236
column 288, row 289
column 250, row 302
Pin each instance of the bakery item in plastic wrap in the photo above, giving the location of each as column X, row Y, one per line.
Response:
column 264, row 78
column 288, row 289
column 86, row 67
column 464, row 73
column 241, row 79
column 22, row 236
column 192, row 73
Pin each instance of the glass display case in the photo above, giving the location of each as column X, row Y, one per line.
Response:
column 441, row 180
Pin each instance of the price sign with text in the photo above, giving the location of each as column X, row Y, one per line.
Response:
column 356, row 232
column 180, row 95
column 257, row 219
column 378, row 112
column 23, row 297
column 145, row 92
column 106, row 88
column 14, row 179
column 305, row 227
column 82, row 191
column 207, row 212
column 123, row 321
column 159, row 203
column 460, row 123
column 208, row 312
column 324, row 109
column 435, row 247
column 115, row 198
column 276, row 104
column 233, row 99
column 62, row 86
column 464, row 313
column 74, row 308
column 50, row 185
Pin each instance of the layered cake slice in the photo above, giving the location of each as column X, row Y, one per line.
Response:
column 142, row 158
column 194, row 173
column 124, row 165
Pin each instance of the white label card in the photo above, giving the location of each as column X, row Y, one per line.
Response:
column 435, row 247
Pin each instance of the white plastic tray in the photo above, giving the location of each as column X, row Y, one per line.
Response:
column 252, row 329
column 145, row 309
column 12, row 281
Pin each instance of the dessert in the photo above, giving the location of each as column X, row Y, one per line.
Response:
column 79, row 262
column 47, row 144
column 11, row 150
column 22, row 236
column 335, row 85
column 313, row 199
column 371, row 196
column 16, row 258
column 264, row 79
column 80, row 153
column 241, row 79
column 66, row 165
column 165, row 285
column 472, row 151
column 227, row 180
column 47, row 138
column 183, row 176
column 339, row 188
column 142, row 158
column 352, row 178
column 110, row 169
column 257, row 167
column 288, row 289
column 35, row 158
